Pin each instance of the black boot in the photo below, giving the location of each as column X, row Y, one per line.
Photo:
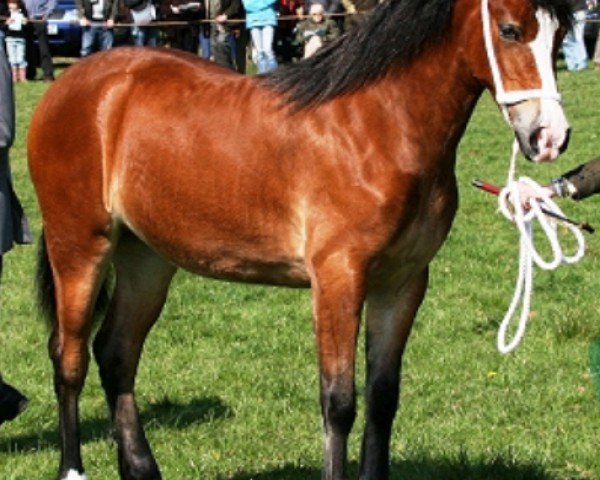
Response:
column 12, row 402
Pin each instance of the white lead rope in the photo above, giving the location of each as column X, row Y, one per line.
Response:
column 510, row 206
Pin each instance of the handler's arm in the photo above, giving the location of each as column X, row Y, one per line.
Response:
column 581, row 182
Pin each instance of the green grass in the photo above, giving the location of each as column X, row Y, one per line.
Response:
column 228, row 381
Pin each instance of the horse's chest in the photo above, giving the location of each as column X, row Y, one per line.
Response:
column 416, row 243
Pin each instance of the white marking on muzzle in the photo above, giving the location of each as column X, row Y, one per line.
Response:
column 553, row 123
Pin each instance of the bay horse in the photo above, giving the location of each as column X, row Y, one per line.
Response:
column 335, row 173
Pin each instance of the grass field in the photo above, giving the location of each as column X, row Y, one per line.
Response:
column 228, row 381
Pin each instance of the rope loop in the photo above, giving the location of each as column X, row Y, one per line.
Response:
column 509, row 202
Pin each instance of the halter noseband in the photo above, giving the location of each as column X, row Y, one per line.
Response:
column 504, row 98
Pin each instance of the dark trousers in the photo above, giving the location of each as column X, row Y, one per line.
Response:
column 220, row 44
column 41, row 33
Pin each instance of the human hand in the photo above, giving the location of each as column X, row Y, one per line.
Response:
column 110, row 23
column 175, row 9
column 221, row 18
column 84, row 22
column 527, row 192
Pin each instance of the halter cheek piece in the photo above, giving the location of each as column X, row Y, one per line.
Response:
column 504, row 98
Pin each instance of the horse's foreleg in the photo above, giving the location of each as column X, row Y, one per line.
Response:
column 142, row 282
column 77, row 279
column 337, row 298
column 390, row 315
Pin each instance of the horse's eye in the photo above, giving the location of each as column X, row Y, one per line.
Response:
column 510, row 32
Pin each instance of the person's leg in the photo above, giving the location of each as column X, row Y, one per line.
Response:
column 205, row 42
column 11, row 53
column 106, row 38
column 87, row 41
column 41, row 32
column 268, row 36
column 221, row 47
column 256, row 34
column 21, row 62
column 579, row 31
column 137, row 34
column 597, row 53
column 150, row 36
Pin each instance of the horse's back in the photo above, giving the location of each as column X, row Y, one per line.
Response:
column 177, row 150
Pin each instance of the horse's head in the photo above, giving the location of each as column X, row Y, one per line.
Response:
column 516, row 61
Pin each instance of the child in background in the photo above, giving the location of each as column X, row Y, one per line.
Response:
column 316, row 30
column 15, row 40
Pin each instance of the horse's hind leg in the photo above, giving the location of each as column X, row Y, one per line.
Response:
column 390, row 314
column 142, row 282
column 78, row 273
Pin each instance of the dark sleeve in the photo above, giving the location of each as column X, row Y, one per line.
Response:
column 234, row 9
column 7, row 103
column 114, row 10
column 585, row 178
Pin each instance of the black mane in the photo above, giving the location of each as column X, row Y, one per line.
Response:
column 394, row 34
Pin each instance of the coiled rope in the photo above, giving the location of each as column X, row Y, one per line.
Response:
column 511, row 207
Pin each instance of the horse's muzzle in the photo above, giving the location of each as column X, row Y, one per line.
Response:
column 541, row 129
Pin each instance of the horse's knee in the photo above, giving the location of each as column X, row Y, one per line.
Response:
column 338, row 403
column 70, row 358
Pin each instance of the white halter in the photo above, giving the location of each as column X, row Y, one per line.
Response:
column 504, row 98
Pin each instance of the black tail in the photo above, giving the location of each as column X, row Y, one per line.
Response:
column 46, row 292
column 44, row 284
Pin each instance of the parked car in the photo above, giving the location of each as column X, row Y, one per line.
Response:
column 64, row 31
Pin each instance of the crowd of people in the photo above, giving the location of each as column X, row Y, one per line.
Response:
column 278, row 31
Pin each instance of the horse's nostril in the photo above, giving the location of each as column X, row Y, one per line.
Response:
column 534, row 141
column 565, row 144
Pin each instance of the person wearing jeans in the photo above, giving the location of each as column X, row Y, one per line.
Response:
column 573, row 44
column 97, row 22
column 261, row 20
column 221, row 35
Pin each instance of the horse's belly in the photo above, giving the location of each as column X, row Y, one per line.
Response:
column 227, row 255
column 272, row 271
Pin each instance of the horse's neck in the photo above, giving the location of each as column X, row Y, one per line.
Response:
column 430, row 102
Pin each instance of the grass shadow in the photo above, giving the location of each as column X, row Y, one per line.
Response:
column 164, row 414
column 423, row 467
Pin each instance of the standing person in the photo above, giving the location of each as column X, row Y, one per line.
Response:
column 143, row 13
column 221, row 34
column 15, row 40
column 97, row 22
column 186, row 37
column 37, row 12
column 285, row 45
column 13, row 224
column 573, row 43
column 261, row 20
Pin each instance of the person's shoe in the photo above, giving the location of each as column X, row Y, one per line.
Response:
column 12, row 402
column 49, row 79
